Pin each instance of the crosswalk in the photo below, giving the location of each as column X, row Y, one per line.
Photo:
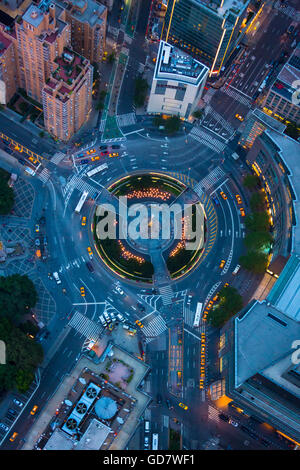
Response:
column 216, row 175
column 205, row 138
column 236, row 96
column 287, row 10
column 44, row 175
column 102, row 125
column 79, row 184
column 154, row 328
column 218, row 118
column 57, row 158
column 151, row 300
column 167, row 294
column 124, row 120
column 85, row 326
column 213, row 413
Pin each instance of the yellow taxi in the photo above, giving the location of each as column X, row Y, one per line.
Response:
column 201, row 384
column 223, row 195
column 139, row 323
column 238, row 198
column 242, row 212
column 239, row 117
column 226, row 284
column 13, row 436
column 216, row 297
column 202, row 372
column 33, row 160
column 34, row 410
column 82, row 291
column 83, row 221
column 96, row 157
column 90, row 252
column 89, row 152
column 114, row 154
column 222, row 264
column 183, row 406
column 209, row 305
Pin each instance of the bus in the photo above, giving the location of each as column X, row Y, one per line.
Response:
column 81, row 202
column 97, row 169
column 198, row 315
column 154, row 441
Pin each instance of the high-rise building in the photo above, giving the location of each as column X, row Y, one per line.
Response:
column 208, row 30
column 258, row 359
column 255, row 124
column 67, row 95
column 8, row 72
column 41, row 37
column 177, row 83
column 87, row 19
column 11, row 4
column 283, row 98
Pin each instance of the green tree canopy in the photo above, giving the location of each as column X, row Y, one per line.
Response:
column 257, row 222
column 251, row 181
column 292, row 130
column 140, row 92
column 17, row 296
column 230, row 302
column 22, row 357
column 257, row 202
column 172, row 124
column 256, row 241
column 197, row 113
column 7, row 198
column 254, row 261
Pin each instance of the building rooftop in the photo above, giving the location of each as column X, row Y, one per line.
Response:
column 33, row 15
column 285, row 294
column 258, row 333
column 289, row 150
column 285, row 84
column 4, row 43
column 174, row 64
column 270, row 122
column 87, row 11
column 223, row 7
column 94, row 437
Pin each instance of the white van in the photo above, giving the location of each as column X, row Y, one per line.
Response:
column 106, row 316
column 147, row 426
column 120, row 317
column 102, row 319
column 236, row 269
column 56, row 277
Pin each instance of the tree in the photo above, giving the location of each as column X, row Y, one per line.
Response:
column 17, row 296
column 140, row 91
column 251, row 181
column 22, row 357
column 173, row 124
column 257, row 241
column 292, row 130
column 254, row 261
column 258, row 222
column 42, row 134
column 158, row 121
column 197, row 114
column 7, row 198
column 111, row 58
column 230, row 302
column 257, row 202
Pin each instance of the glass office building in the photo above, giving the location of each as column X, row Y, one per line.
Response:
column 207, row 30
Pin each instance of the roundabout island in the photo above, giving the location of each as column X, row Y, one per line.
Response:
column 142, row 234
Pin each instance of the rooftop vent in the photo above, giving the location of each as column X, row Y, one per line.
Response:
column 34, row 14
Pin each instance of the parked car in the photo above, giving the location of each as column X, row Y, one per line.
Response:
column 224, row 417
column 146, row 442
column 90, row 266
column 56, row 277
column 4, row 427
column 18, row 403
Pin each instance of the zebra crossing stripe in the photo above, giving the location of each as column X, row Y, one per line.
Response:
column 128, row 119
column 85, row 326
column 57, row 157
column 44, row 175
column 167, row 294
column 155, row 327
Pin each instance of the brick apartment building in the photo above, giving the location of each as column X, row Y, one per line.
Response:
column 33, row 56
column 67, row 96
